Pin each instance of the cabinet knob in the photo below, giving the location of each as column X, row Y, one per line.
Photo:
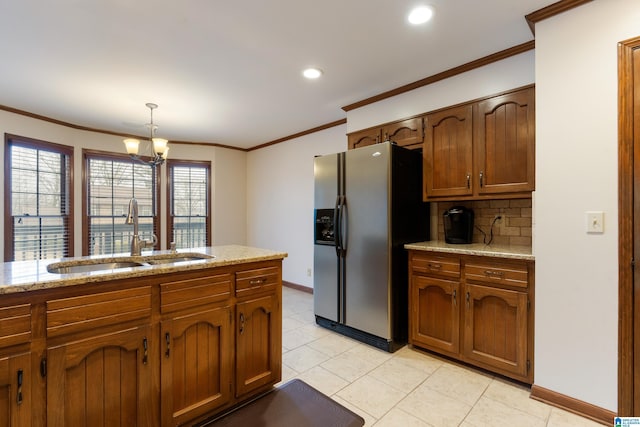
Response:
column 241, row 323
column 19, row 392
column 454, row 298
column 494, row 274
column 468, row 180
column 167, row 339
column 481, row 178
column 145, row 354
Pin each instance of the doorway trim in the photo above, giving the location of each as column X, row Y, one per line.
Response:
column 628, row 371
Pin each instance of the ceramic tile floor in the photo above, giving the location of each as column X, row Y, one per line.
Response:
column 406, row 388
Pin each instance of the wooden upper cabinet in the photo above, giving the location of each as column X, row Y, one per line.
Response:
column 505, row 142
column 481, row 149
column 363, row 138
column 448, row 153
column 406, row 133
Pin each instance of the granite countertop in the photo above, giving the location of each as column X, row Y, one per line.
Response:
column 500, row 251
column 24, row 276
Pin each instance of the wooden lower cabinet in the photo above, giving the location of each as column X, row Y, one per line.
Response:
column 16, row 366
column 484, row 318
column 436, row 314
column 258, row 343
column 174, row 349
column 196, row 364
column 105, row 380
column 495, row 330
column 15, row 390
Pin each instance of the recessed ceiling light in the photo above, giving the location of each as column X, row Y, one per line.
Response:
column 420, row 15
column 312, row 73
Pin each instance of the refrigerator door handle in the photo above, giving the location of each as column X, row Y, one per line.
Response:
column 336, row 225
column 344, row 226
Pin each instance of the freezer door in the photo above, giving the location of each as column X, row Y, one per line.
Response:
column 325, row 261
column 368, row 250
column 325, row 282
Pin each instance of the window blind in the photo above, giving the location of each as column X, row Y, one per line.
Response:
column 40, row 205
column 189, row 215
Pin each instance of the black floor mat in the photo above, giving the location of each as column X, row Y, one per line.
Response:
column 295, row 404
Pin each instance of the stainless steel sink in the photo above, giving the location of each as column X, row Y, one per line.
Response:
column 107, row 264
column 71, row 267
column 172, row 259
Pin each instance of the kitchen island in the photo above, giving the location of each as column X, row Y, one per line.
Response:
column 161, row 339
column 474, row 303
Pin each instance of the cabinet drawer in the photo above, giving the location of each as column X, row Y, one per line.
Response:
column 435, row 265
column 188, row 293
column 259, row 279
column 69, row 315
column 507, row 275
column 15, row 325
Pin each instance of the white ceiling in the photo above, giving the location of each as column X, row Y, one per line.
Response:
column 229, row 72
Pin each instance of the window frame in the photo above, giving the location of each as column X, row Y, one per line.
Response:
column 171, row 163
column 36, row 144
column 87, row 155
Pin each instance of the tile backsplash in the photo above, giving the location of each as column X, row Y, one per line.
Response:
column 513, row 229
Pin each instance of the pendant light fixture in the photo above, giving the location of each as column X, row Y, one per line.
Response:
column 158, row 148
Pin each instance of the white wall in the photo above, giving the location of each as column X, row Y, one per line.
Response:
column 280, row 198
column 507, row 74
column 228, row 182
column 576, row 146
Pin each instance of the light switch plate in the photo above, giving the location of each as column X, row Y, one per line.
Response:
column 595, row 221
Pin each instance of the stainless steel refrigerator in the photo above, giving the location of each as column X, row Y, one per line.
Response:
column 368, row 204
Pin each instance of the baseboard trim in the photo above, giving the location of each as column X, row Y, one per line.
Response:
column 297, row 287
column 584, row 409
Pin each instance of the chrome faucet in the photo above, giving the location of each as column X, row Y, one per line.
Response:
column 137, row 244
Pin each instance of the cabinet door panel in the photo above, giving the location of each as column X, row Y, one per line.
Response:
column 504, row 139
column 448, row 153
column 196, row 364
column 15, row 399
column 495, row 331
column 434, row 313
column 258, row 343
column 101, row 381
column 363, row 138
column 407, row 133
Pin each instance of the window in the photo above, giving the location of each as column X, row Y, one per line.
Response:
column 111, row 181
column 39, row 199
column 189, row 224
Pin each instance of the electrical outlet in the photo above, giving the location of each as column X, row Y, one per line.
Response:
column 308, row 272
column 595, row 221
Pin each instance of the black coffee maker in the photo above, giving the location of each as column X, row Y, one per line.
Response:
column 458, row 225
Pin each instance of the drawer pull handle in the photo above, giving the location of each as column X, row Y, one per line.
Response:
column 494, row 274
column 167, row 339
column 435, row 266
column 468, row 181
column 258, row 281
column 481, row 179
column 20, row 378
column 241, row 323
column 145, row 355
